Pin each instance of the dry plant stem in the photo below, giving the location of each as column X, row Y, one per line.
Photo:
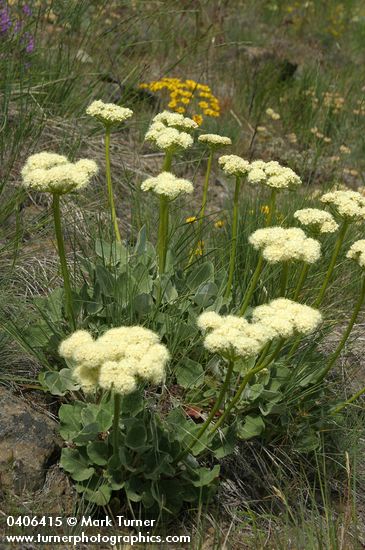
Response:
column 332, row 264
column 232, row 259
column 117, row 406
column 213, row 412
column 63, row 262
column 347, row 333
column 110, row 185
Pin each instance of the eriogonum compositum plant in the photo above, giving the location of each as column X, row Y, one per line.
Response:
column 51, row 173
column 109, row 115
column 222, row 333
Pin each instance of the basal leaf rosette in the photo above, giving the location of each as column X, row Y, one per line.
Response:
column 347, row 204
column 117, row 359
column 284, row 245
column 167, row 185
column 318, row 220
column 52, row 173
column 287, row 318
column 108, row 114
column 357, row 252
column 273, row 175
column 233, row 165
column 233, row 337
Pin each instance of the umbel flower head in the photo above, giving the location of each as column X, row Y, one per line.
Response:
column 117, row 359
column 357, row 252
column 108, row 113
column 273, row 175
column 282, row 245
column 168, row 185
column 318, row 219
column 234, row 165
column 232, row 336
column 348, row 204
column 167, row 138
column 176, row 120
column 287, row 318
column 52, row 173
column 215, row 140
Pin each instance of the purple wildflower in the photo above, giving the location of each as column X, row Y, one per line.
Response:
column 5, row 21
column 27, row 10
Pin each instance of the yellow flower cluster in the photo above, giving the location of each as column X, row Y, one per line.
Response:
column 117, row 359
column 187, row 94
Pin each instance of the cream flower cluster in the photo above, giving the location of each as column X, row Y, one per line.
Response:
column 357, row 252
column 117, row 359
column 52, row 173
column 176, row 120
column 215, row 140
column 273, row 175
column 281, row 245
column 168, row 185
column 319, row 219
column 287, row 318
column 168, row 138
column 108, row 113
column 170, row 131
column 233, row 336
column 234, row 165
column 348, row 204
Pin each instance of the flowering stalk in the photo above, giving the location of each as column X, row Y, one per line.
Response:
column 63, row 262
column 163, row 228
column 301, row 280
column 271, row 207
column 256, row 275
column 212, row 413
column 205, row 188
column 347, row 333
column 232, row 258
column 237, row 395
column 109, row 183
column 252, row 285
column 117, row 407
column 339, row 242
column 284, row 278
column 348, row 401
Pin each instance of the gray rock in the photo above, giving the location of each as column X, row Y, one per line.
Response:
column 28, row 443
